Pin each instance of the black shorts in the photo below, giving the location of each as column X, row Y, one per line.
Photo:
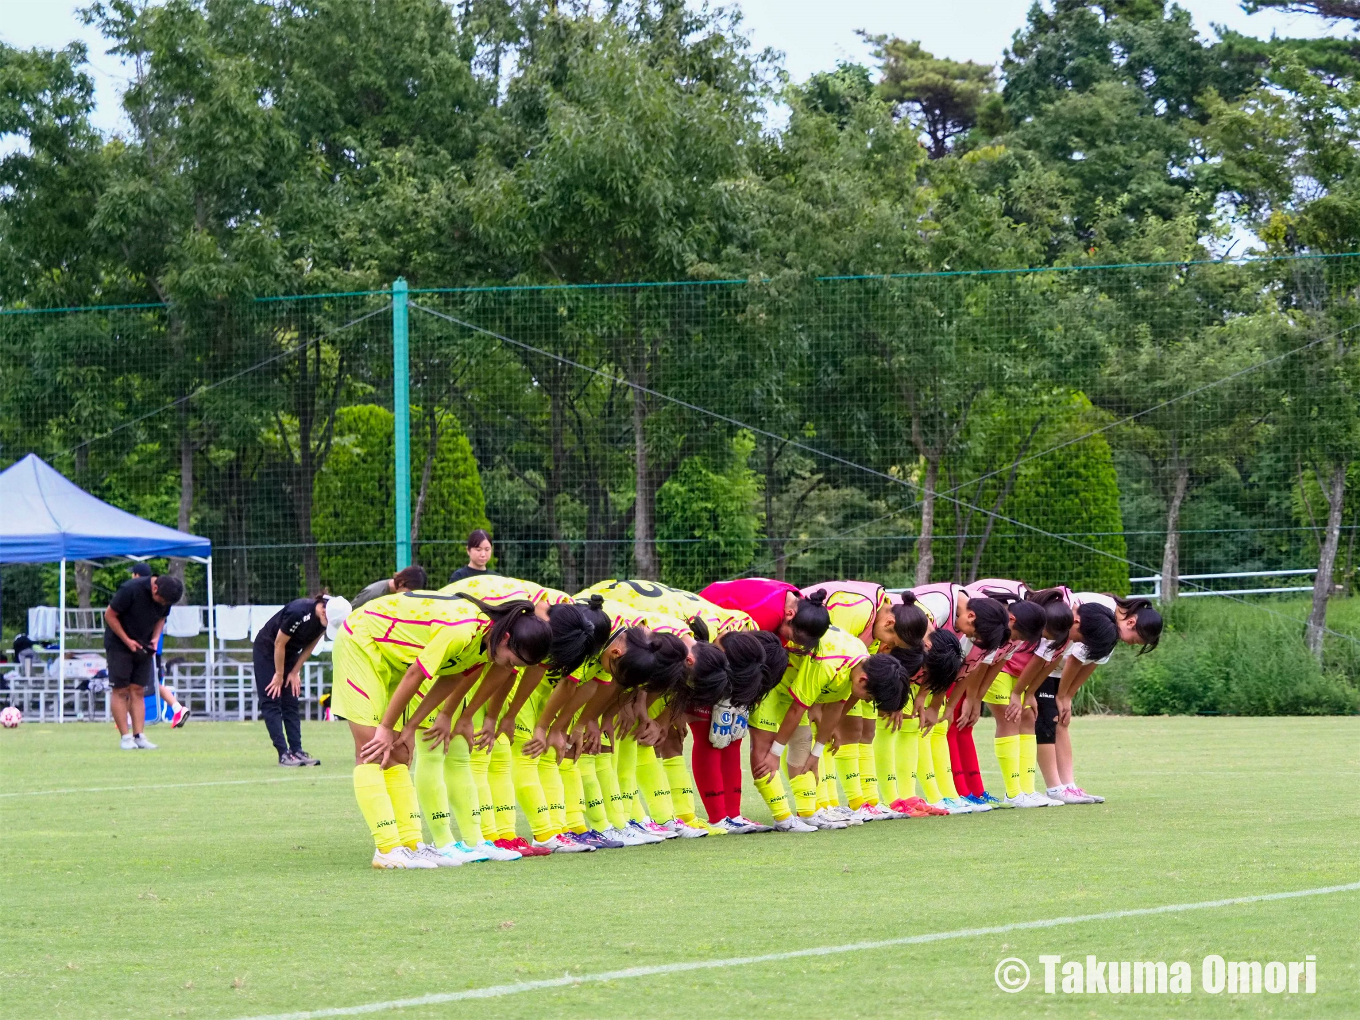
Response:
column 1046, row 726
column 127, row 668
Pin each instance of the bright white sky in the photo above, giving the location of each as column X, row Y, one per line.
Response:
column 812, row 34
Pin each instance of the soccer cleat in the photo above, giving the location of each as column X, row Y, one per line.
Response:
column 304, row 758
column 143, row 744
column 987, row 798
column 127, row 743
column 750, row 825
column 1048, row 798
column 706, row 826
column 955, row 806
column 560, row 845
column 838, row 813
column 793, row 824
column 457, row 852
column 496, row 852
column 886, row 812
column 1026, row 800
column 599, row 840
column 396, row 859
column 289, row 760
column 979, row 804
column 630, row 837
column 428, row 853
column 576, row 838
column 822, row 820
column 1092, row 798
column 657, row 830
column 180, row 717
column 862, row 814
column 476, row 853
column 520, row 844
column 683, row 830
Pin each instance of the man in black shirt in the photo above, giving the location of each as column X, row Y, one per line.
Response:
column 281, row 647
column 132, row 626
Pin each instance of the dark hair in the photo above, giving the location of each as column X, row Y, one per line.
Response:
column 698, row 626
column 991, row 625
column 707, row 682
column 412, row 578
column 1057, row 613
column 746, row 666
column 171, row 588
column 910, row 621
column 530, row 637
column 943, row 656
column 1147, row 622
column 576, row 636
column 1029, row 621
column 1098, row 630
column 811, row 620
column 912, row 659
column 653, row 661
column 476, row 537
column 141, row 569
column 886, row 680
column 776, row 664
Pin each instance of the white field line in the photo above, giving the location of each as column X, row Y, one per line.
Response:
column 570, row 980
column 152, row 787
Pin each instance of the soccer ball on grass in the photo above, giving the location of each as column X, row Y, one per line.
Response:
column 10, row 717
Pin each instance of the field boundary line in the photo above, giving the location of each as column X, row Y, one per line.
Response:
column 163, row 786
column 569, row 980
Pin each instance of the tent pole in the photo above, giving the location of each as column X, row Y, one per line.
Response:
column 212, row 639
column 61, row 644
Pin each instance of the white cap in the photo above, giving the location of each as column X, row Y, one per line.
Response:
column 337, row 608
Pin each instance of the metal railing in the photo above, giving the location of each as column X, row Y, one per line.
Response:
column 1156, row 583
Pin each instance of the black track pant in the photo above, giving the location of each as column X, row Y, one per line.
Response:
column 282, row 715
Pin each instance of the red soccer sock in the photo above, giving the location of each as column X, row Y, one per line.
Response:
column 706, row 762
column 971, row 772
column 731, row 770
column 956, row 762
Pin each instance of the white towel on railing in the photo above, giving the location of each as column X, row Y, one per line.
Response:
column 233, row 623
column 43, row 622
column 184, row 621
column 259, row 616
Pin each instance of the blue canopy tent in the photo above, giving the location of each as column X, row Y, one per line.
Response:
column 46, row 518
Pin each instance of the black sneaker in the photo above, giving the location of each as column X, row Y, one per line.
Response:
column 291, row 761
column 303, row 758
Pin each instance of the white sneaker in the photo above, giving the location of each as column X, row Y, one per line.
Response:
column 956, row 806
column 838, row 813
column 474, row 853
column 742, row 825
column 558, row 845
column 683, row 830
column 1091, row 797
column 629, row 837
column 1034, row 799
column 401, row 858
column 656, row 830
column 822, row 820
column 497, row 853
column 1051, row 800
column 793, row 824
column 142, row 743
column 455, row 853
column 127, row 743
column 428, row 853
column 1007, row 802
column 862, row 814
column 887, row 813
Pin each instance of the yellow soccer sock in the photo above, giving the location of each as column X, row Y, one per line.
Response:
column 625, row 764
column 939, row 754
column 551, row 779
column 596, row 818
column 462, row 788
column 772, row 792
column 573, row 795
column 1029, row 755
column 1008, row 757
column 826, row 786
column 804, row 787
column 370, row 790
column 868, row 773
column 405, row 806
column 885, row 762
column 908, row 754
column 655, row 785
column 615, row 807
column 486, row 807
column 925, row 768
column 847, row 771
column 431, row 792
column 682, row 787
column 501, row 779
column 529, row 791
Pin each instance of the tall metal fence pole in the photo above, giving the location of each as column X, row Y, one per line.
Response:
column 401, row 419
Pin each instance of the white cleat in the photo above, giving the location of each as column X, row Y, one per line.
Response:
column 428, row 853
column 862, row 814
column 838, row 813
column 399, row 858
column 127, row 743
column 558, row 845
column 741, row 825
column 630, row 837
column 683, row 829
column 823, row 820
column 1018, row 801
column 956, row 806
column 496, row 853
column 456, row 852
column 1051, row 800
column 142, row 743
column 656, row 830
column 1091, row 798
column 793, row 824
column 1032, row 800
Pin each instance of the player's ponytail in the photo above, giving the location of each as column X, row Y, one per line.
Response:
column 912, row 658
column 885, row 679
column 653, row 661
column 707, row 681
column 1147, row 622
column 810, row 620
column 578, row 632
column 698, row 626
column 773, row 670
column 1057, row 609
column 1028, row 619
column 530, row 638
column 910, row 621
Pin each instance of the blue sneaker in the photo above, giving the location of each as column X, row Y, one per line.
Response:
column 980, row 803
column 600, row 841
column 988, row 799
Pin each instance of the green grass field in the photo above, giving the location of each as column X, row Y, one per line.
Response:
column 210, row 883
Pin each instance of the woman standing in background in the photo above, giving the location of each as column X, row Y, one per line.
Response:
column 479, row 555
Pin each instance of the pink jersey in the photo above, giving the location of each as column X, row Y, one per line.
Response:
column 980, row 589
column 983, row 589
column 759, row 598
column 1047, row 650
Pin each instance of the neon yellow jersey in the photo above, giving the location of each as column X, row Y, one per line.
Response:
column 652, row 596
column 439, row 633
column 621, row 617
column 824, row 676
column 494, row 589
column 855, row 612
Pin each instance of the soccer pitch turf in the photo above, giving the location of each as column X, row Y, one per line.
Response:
column 203, row 881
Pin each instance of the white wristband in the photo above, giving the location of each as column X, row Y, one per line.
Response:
column 777, row 749
column 817, row 750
